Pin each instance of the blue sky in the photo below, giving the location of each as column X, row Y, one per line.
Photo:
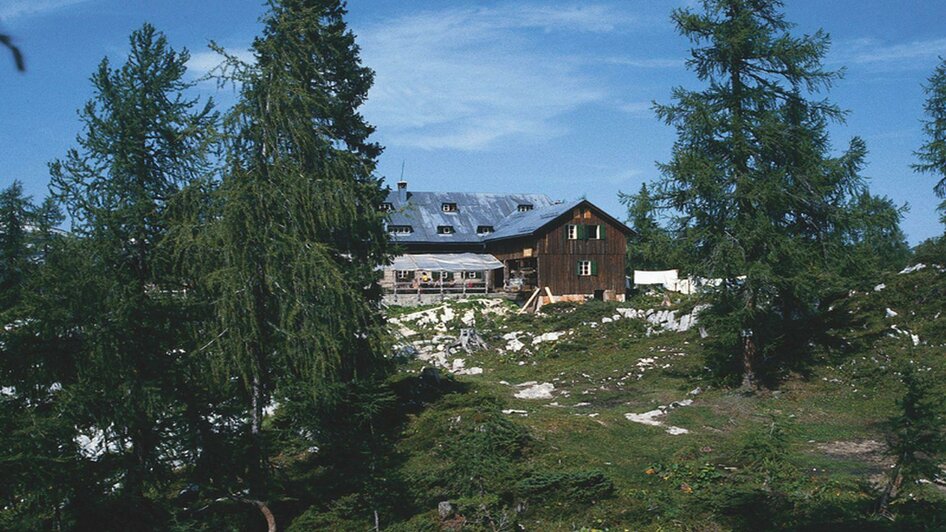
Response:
column 550, row 97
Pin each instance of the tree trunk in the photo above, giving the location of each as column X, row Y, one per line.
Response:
column 748, row 361
column 264, row 509
column 893, row 486
column 257, row 472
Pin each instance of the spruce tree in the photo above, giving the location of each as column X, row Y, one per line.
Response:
column 758, row 199
column 142, row 141
column 296, row 234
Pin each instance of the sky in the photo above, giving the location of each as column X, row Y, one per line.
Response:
column 546, row 97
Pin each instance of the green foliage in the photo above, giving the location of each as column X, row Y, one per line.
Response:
column 754, row 189
column 916, row 438
column 97, row 350
column 284, row 249
column 579, row 487
column 932, row 154
column 651, row 247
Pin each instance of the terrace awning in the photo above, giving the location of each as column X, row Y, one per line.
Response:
column 446, row 262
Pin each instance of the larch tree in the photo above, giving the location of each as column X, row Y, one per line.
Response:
column 651, row 246
column 932, row 155
column 16, row 211
column 296, row 230
column 142, row 140
column 758, row 199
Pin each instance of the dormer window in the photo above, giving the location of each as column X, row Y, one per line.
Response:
column 484, row 229
column 524, row 207
column 400, row 229
column 449, row 207
column 387, row 206
column 445, row 230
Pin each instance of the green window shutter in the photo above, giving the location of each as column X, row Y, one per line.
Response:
column 577, row 267
column 583, row 232
column 601, row 231
column 594, row 267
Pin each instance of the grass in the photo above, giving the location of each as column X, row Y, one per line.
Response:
column 642, row 477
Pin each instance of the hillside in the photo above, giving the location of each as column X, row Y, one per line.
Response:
column 603, row 416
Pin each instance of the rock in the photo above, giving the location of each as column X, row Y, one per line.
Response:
column 891, row 313
column 696, row 391
column 535, row 391
column 509, row 411
column 515, row 345
column 607, row 320
column 911, row 269
column 548, row 337
column 880, row 287
column 445, row 509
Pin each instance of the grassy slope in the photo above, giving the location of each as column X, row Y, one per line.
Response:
column 833, row 416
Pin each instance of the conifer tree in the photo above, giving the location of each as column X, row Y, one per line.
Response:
column 15, row 218
column 755, row 190
column 142, row 141
column 650, row 247
column 916, row 439
column 298, row 235
column 932, row 154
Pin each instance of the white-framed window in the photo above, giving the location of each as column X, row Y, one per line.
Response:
column 584, row 267
column 387, row 206
column 473, row 275
column 445, row 230
column 593, row 232
column 524, row 207
column 572, row 231
column 449, row 207
column 400, row 229
column 404, row 275
column 484, row 229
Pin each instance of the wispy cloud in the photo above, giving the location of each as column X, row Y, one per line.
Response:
column 880, row 54
column 14, row 9
column 201, row 63
column 643, row 62
column 469, row 79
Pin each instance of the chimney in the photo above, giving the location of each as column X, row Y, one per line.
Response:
column 402, row 191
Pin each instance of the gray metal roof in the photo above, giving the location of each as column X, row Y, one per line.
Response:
column 423, row 212
column 526, row 223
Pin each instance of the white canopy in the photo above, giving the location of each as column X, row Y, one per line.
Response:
column 446, row 262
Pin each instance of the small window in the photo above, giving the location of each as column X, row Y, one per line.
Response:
column 524, row 207
column 405, row 275
column 449, row 207
column 400, row 229
column 484, row 229
column 572, row 232
column 473, row 275
column 387, row 206
column 584, row 267
column 587, row 268
column 445, row 230
column 593, row 232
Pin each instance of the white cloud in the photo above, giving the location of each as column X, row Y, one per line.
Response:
column 877, row 53
column 201, row 63
column 13, row 9
column 469, row 79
